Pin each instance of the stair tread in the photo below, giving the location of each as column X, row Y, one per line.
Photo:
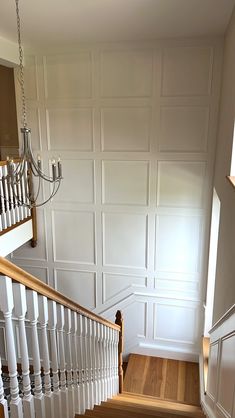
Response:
column 139, row 410
column 129, row 405
column 154, row 398
column 149, row 401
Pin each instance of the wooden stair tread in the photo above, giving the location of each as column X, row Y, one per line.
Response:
column 142, row 410
column 158, row 404
column 158, row 401
column 128, row 405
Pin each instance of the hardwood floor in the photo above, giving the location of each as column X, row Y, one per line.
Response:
column 154, row 387
column 163, row 378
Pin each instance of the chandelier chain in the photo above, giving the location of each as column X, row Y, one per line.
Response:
column 21, row 67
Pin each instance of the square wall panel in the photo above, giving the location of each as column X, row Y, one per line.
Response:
column 135, row 315
column 184, row 129
column 177, row 243
column 70, row 129
column 79, row 286
column 125, row 129
column 125, row 182
column 187, row 71
column 175, row 321
column 78, row 182
column 68, row 76
column 227, row 374
column 125, row 240
column 180, row 184
column 126, row 73
column 74, row 236
column 212, row 370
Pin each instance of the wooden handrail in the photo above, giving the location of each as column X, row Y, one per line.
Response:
column 15, row 160
column 17, row 274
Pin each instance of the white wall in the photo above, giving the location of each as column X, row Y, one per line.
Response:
column 225, row 283
column 135, row 125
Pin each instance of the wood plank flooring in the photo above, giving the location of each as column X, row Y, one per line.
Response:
column 163, row 378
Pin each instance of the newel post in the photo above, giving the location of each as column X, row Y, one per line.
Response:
column 119, row 321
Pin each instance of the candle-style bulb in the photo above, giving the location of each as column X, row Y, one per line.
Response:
column 59, row 168
column 53, row 166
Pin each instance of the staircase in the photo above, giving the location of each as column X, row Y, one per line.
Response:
column 155, row 387
column 140, row 406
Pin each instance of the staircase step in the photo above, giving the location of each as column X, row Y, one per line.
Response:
column 133, row 406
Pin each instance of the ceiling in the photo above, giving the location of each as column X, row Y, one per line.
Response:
column 56, row 22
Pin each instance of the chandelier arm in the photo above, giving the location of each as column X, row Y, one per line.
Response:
column 37, row 172
column 38, row 191
column 18, row 173
column 55, row 190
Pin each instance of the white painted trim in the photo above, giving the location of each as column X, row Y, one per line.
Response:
column 13, row 239
column 174, row 353
column 223, row 318
column 9, row 55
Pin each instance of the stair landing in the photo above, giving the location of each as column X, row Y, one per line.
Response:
column 166, row 379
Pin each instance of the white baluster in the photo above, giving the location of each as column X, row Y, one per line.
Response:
column 64, row 390
column 75, row 359
column 102, row 362
column 6, row 195
column 90, row 363
column 20, row 309
column 3, row 401
column 95, row 363
column 6, row 306
column 98, row 351
column 113, row 362
column 32, row 315
column 109, row 393
column 52, row 322
column 67, row 327
column 18, row 192
column 105, row 348
column 11, row 202
column 81, row 365
column 116, row 361
column 2, row 203
column 85, row 358
column 43, row 320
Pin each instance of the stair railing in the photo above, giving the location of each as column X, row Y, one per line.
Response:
column 13, row 202
column 60, row 358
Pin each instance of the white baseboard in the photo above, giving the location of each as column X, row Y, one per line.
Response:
column 165, row 352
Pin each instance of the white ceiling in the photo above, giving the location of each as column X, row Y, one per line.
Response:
column 56, row 22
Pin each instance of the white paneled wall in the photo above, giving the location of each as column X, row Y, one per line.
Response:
column 135, row 126
column 219, row 399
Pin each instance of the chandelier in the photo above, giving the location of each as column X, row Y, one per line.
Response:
column 29, row 166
